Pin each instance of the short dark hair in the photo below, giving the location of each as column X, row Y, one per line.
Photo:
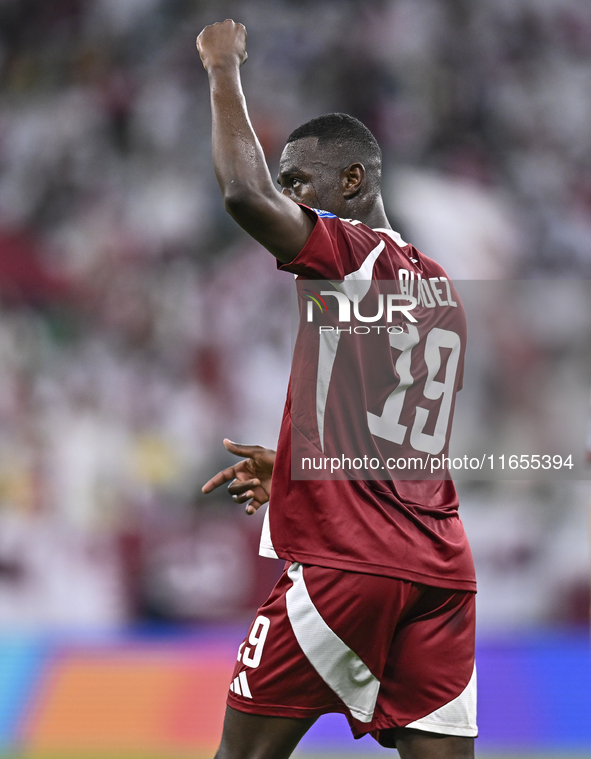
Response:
column 349, row 135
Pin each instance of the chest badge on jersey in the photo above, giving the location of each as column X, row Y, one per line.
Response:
column 324, row 214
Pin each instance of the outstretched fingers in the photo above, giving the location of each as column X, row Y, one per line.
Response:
column 246, row 451
column 249, row 478
column 226, row 475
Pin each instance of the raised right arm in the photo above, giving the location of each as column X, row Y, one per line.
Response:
column 247, row 188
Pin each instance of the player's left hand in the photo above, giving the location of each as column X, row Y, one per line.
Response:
column 249, row 479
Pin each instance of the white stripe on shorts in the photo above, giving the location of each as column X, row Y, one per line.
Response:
column 339, row 666
column 458, row 717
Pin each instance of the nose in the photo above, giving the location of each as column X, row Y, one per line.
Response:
column 287, row 192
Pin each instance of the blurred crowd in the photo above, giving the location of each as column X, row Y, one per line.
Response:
column 139, row 326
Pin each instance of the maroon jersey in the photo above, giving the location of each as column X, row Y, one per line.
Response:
column 359, row 481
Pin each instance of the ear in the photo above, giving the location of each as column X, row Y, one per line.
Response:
column 351, row 179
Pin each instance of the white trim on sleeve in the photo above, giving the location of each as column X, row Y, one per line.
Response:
column 266, row 547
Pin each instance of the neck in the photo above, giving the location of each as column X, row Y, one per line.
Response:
column 373, row 215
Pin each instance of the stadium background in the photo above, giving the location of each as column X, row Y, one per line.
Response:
column 139, row 326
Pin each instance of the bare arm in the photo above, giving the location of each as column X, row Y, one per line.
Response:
column 246, row 184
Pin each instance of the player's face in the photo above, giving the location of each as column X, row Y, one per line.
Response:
column 308, row 175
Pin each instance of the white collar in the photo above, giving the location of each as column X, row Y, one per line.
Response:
column 394, row 235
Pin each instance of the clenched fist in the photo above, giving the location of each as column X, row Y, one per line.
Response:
column 223, row 44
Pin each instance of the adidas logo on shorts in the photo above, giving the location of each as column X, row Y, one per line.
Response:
column 240, row 686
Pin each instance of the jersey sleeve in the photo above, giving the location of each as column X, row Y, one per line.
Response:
column 334, row 249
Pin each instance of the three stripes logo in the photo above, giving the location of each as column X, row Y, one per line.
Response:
column 240, row 686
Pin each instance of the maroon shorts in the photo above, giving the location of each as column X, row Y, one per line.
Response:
column 387, row 653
